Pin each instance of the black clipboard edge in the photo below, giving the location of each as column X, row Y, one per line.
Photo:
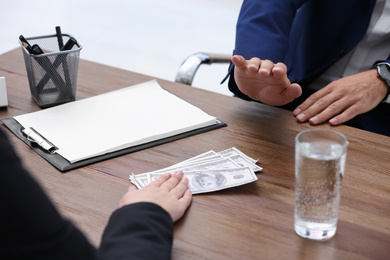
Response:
column 64, row 165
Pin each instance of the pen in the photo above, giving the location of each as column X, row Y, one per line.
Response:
column 59, row 37
column 68, row 46
column 26, row 44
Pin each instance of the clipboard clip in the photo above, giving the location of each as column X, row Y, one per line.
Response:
column 34, row 137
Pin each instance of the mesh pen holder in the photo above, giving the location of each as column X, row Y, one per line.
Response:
column 52, row 75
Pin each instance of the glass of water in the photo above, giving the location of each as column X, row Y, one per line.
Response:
column 319, row 169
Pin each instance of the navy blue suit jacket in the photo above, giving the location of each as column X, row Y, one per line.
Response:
column 307, row 35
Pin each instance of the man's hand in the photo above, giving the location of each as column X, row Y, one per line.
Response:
column 343, row 99
column 264, row 81
column 168, row 191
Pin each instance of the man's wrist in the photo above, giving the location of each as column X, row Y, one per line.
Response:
column 383, row 70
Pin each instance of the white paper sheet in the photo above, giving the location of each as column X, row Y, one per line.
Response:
column 119, row 119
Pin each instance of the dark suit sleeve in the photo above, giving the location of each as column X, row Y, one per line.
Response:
column 386, row 60
column 138, row 231
column 263, row 30
column 30, row 225
column 32, row 228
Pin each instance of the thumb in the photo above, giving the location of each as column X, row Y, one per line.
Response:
column 292, row 92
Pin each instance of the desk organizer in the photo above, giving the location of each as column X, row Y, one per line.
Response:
column 52, row 75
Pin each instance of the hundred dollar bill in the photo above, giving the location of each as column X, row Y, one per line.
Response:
column 140, row 180
column 234, row 151
column 201, row 157
column 214, row 180
column 230, row 158
column 205, row 157
column 134, row 180
column 243, row 161
column 224, row 163
column 201, row 160
column 217, row 164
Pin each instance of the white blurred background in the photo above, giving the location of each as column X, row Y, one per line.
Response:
column 151, row 37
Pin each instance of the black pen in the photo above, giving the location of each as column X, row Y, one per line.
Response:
column 26, row 44
column 59, row 37
column 68, row 46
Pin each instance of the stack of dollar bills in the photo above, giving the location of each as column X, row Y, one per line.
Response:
column 209, row 171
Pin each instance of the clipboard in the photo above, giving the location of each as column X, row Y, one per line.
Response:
column 64, row 165
column 30, row 136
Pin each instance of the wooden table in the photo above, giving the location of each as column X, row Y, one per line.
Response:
column 254, row 221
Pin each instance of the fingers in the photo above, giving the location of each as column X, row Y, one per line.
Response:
column 279, row 70
column 173, row 181
column 318, row 112
column 331, row 110
column 344, row 117
column 263, row 67
column 253, row 65
column 177, row 185
column 318, row 108
column 239, row 61
column 314, row 105
column 180, row 189
column 299, row 112
column 162, row 179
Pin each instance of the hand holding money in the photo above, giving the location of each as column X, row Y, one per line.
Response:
column 209, row 171
column 170, row 192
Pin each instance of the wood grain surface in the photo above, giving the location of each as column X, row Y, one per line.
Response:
column 254, row 221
